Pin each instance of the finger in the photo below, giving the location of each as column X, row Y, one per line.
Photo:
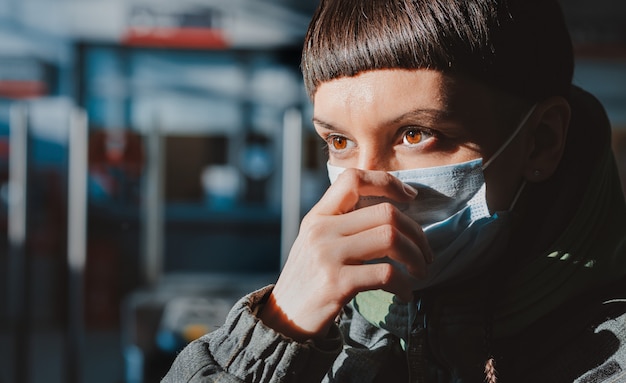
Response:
column 384, row 241
column 382, row 276
column 343, row 195
column 371, row 244
column 384, row 214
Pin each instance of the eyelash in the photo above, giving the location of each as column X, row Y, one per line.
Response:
column 328, row 141
column 421, row 131
column 430, row 134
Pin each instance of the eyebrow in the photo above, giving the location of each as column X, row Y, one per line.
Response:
column 323, row 124
column 431, row 116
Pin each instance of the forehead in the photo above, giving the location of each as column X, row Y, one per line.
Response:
column 386, row 81
column 383, row 91
column 396, row 89
column 382, row 95
column 376, row 103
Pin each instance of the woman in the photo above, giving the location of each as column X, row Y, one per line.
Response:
column 475, row 227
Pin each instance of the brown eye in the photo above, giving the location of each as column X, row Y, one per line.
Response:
column 413, row 137
column 339, row 143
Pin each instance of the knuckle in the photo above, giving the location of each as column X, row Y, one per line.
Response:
column 385, row 273
column 389, row 178
column 350, row 176
column 349, row 182
column 307, row 221
column 313, row 237
column 316, row 231
column 388, row 211
column 389, row 235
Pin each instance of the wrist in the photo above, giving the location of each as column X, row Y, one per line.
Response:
column 275, row 318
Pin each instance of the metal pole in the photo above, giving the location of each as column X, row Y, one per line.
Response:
column 76, row 242
column 292, row 174
column 154, row 233
column 19, row 283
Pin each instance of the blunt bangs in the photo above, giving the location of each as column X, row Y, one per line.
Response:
column 349, row 37
column 515, row 46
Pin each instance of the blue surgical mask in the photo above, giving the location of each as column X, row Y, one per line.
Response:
column 452, row 209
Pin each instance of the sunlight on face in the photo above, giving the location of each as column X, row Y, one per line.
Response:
column 391, row 120
column 405, row 119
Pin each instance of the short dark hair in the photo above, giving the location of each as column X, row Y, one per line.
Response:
column 522, row 47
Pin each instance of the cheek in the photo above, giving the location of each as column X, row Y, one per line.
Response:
column 505, row 174
column 503, row 178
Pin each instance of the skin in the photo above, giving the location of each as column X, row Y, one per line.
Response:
column 393, row 120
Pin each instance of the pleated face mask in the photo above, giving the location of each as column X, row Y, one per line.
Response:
column 452, row 209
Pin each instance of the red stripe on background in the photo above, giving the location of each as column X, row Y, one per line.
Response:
column 22, row 89
column 190, row 38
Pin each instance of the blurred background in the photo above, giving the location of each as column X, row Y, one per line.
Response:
column 155, row 159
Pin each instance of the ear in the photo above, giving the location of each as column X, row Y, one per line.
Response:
column 546, row 138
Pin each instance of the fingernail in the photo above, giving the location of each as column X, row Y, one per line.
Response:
column 409, row 190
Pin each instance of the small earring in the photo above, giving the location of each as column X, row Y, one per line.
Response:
column 537, row 173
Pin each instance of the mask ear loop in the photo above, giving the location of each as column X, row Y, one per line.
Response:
column 511, row 137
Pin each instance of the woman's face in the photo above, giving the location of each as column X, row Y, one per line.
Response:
column 405, row 119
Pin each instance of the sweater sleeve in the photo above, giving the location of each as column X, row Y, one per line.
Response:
column 244, row 349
